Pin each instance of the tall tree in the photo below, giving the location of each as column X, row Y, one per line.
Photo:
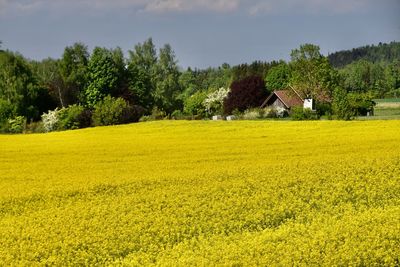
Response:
column 103, row 74
column 19, row 87
column 73, row 66
column 278, row 77
column 49, row 76
column 247, row 93
column 167, row 91
column 312, row 75
column 141, row 72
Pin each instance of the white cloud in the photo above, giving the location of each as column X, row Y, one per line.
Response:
column 185, row 5
column 252, row 7
column 307, row 6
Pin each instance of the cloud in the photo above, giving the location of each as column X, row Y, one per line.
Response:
column 184, row 5
column 252, row 7
column 307, row 6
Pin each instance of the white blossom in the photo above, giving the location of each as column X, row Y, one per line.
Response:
column 50, row 120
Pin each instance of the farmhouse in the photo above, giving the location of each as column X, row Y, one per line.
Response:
column 287, row 99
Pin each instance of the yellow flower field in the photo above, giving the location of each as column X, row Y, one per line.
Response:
column 203, row 193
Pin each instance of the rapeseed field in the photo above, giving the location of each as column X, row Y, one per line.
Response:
column 248, row 193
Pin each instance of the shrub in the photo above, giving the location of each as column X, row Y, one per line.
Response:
column 69, row 117
column 178, row 115
column 17, row 124
column 253, row 114
column 109, row 111
column 214, row 101
column 132, row 113
column 50, row 120
column 194, row 105
column 35, row 127
column 301, row 114
column 85, row 118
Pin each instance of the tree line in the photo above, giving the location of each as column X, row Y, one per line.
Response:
column 105, row 87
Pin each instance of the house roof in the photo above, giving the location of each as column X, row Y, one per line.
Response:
column 289, row 98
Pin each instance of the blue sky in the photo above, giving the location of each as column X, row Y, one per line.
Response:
column 202, row 32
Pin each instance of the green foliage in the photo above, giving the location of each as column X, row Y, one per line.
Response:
column 302, row 114
column 341, row 105
column 7, row 110
column 70, row 117
column 19, row 86
column 194, row 105
column 109, row 111
column 167, row 91
column 103, row 76
column 312, row 75
column 278, row 77
column 142, row 70
column 73, row 68
column 35, row 127
column 361, row 104
column 48, row 73
column 17, row 124
column 257, row 68
column 381, row 53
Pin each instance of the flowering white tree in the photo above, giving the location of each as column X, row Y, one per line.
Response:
column 215, row 100
column 50, row 120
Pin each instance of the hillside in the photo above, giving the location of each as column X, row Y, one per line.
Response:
column 374, row 53
column 173, row 193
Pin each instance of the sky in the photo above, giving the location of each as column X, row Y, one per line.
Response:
column 202, row 33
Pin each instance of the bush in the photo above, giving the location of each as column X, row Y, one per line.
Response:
column 258, row 113
column 112, row 111
column 50, row 120
column 253, row 114
column 35, row 127
column 301, row 114
column 69, row 117
column 194, row 105
column 178, row 115
column 85, row 118
column 17, row 124
column 214, row 101
column 132, row 113
column 109, row 111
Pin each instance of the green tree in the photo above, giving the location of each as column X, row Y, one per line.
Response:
column 141, row 74
column 312, row 74
column 167, row 91
column 49, row 77
column 341, row 104
column 103, row 73
column 188, row 83
column 392, row 75
column 278, row 77
column 19, row 87
column 73, row 68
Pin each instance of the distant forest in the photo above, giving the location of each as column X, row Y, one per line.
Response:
column 382, row 52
